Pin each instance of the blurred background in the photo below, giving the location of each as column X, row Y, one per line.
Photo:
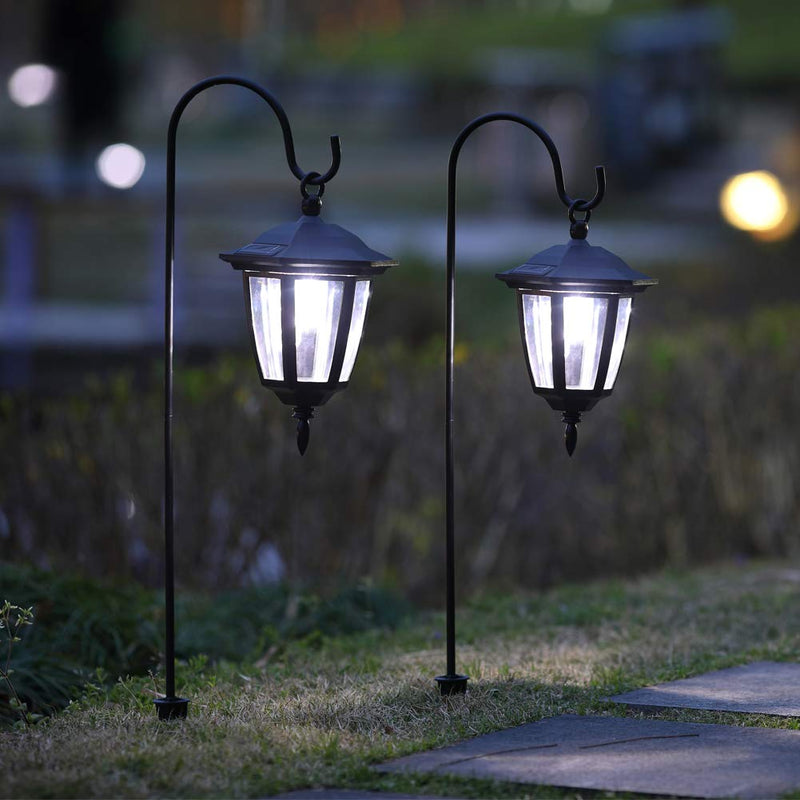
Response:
column 692, row 107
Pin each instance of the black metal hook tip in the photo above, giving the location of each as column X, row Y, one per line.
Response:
column 336, row 161
column 600, row 180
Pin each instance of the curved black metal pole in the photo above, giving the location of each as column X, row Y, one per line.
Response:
column 171, row 706
column 452, row 682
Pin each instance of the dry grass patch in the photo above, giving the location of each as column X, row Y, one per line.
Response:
column 321, row 715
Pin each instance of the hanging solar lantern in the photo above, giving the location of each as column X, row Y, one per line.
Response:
column 307, row 287
column 574, row 303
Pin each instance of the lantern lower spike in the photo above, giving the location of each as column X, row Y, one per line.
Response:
column 571, row 430
column 303, row 414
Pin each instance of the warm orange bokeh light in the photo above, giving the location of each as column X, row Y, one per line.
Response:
column 755, row 202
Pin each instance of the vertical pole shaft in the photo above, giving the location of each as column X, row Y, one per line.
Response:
column 169, row 506
column 451, row 682
column 170, row 706
column 449, row 411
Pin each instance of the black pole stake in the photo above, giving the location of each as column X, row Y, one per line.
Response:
column 171, row 706
column 452, row 682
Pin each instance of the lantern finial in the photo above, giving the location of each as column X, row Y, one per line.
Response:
column 303, row 414
column 571, row 431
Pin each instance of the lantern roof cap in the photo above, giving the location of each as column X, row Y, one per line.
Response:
column 308, row 246
column 576, row 263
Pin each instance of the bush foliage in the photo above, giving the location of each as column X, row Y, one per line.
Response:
column 85, row 630
column 694, row 457
column 79, row 627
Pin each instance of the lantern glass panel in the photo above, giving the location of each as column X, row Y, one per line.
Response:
column 620, row 334
column 265, row 311
column 317, row 306
column 536, row 314
column 584, row 322
column 360, row 304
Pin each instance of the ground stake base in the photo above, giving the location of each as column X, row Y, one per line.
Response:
column 452, row 684
column 172, row 707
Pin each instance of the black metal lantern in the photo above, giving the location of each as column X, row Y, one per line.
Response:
column 574, row 304
column 307, row 287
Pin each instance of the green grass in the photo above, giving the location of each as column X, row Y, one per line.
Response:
column 322, row 710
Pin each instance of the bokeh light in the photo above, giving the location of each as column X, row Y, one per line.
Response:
column 32, row 85
column 120, row 165
column 754, row 201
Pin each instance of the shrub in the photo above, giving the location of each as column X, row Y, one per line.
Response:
column 693, row 458
column 81, row 626
column 96, row 631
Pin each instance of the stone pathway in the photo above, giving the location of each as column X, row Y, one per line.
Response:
column 626, row 755
column 646, row 756
column 765, row 687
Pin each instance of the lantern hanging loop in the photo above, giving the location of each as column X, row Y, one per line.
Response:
column 312, row 203
column 311, row 179
column 579, row 228
column 578, row 205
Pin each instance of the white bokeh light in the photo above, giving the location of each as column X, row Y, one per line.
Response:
column 32, row 85
column 120, row 165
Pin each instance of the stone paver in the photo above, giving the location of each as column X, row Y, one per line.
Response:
column 764, row 687
column 626, row 755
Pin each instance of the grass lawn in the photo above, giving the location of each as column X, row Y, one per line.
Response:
column 324, row 710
